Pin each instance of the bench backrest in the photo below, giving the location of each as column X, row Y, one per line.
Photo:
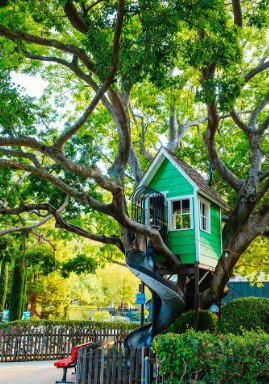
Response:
column 76, row 348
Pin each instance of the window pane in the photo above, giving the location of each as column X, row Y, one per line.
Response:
column 204, row 216
column 186, row 221
column 186, row 205
column 178, row 222
column 181, row 218
column 176, row 206
column 204, row 223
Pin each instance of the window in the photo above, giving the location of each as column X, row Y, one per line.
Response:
column 181, row 214
column 204, row 216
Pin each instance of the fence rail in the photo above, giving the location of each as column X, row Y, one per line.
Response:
column 49, row 343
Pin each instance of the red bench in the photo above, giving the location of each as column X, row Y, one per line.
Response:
column 69, row 362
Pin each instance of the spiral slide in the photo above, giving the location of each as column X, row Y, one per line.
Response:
column 172, row 299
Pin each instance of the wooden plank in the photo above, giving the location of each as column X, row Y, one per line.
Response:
column 132, row 360
column 90, row 371
column 108, row 365
column 102, row 365
column 96, row 358
column 138, row 365
column 119, row 362
column 113, row 366
column 125, row 366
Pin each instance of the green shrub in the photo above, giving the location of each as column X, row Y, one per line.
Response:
column 121, row 319
column 206, row 358
column 207, row 322
column 92, row 325
column 247, row 313
column 101, row 316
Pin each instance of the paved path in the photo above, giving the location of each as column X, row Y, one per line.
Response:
column 32, row 372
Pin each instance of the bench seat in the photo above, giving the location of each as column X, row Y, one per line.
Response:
column 67, row 362
column 70, row 361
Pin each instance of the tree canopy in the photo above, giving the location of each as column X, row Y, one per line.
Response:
column 124, row 76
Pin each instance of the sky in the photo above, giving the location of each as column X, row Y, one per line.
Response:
column 34, row 85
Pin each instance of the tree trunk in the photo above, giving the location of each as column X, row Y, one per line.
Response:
column 3, row 284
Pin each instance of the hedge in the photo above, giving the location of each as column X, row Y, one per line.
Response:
column 71, row 323
column 208, row 321
column 247, row 313
column 206, row 358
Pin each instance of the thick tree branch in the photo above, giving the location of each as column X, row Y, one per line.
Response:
column 108, row 80
column 81, row 197
column 52, row 43
column 245, row 128
column 263, row 175
column 209, row 135
column 255, row 226
column 237, row 11
column 263, row 189
column 31, row 208
column 256, row 70
column 135, row 165
column 254, row 115
column 22, row 154
column 264, row 125
column 92, row 171
column 117, row 170
column 60, row 223
column 74, row 17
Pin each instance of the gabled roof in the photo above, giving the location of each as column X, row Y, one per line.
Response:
column 190, row 173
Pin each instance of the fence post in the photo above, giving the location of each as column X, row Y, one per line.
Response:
column 146, row 370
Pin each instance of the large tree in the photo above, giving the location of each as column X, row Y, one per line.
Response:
column 118, row 67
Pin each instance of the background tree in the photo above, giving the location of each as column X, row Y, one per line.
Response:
column 204, row 64
column 6, row 250
column 18, row 288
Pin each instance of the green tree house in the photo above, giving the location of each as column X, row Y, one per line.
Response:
column 177, row 199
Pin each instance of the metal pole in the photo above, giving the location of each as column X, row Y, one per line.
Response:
column 141, row 290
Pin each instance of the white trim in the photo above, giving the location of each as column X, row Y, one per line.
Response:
column 208, row 205
column 170, row 200
column 154, row 166
column 197, row 227
column 221, row 243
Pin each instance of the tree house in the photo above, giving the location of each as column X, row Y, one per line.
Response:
column 176, row 198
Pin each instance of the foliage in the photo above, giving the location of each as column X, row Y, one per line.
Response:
column 17, row 296
column 207, row 322
column 208, row 358
column 119, row 285
column 125, row 76
column 107, row 325
column 101, row 316
column 3, row 284
column 245, row 314
column 55, row 297
column 79, row 264
column 255, row 260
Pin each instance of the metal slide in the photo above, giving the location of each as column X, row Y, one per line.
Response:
column 172, row 302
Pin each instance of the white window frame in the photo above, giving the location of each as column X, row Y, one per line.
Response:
column 170, row 213
column 206, row 217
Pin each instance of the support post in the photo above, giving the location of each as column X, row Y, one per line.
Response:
column 196, row 298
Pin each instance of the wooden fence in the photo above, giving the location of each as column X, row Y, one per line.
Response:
column 115, row 366
column 48, row 343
